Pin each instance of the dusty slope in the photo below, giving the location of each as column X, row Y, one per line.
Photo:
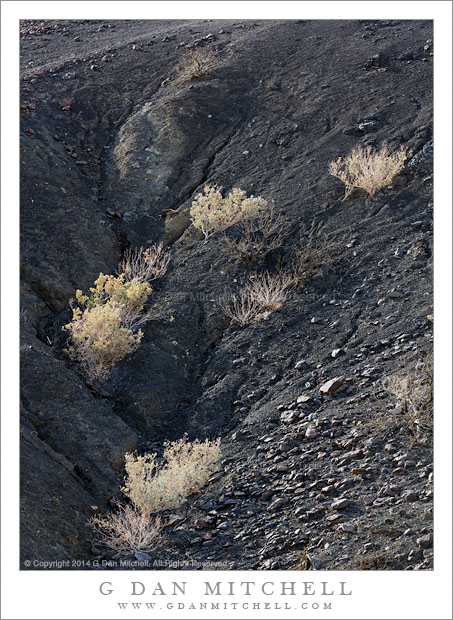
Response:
column 108, row 143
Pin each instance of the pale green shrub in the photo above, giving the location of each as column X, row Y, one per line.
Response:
column 154, row 487
column 211, row 212
column 102, row 327
column 368, row 169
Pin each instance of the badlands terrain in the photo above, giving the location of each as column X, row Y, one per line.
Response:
column 321, row 467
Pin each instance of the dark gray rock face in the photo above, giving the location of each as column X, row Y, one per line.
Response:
column 83, row 428
column 55, row 507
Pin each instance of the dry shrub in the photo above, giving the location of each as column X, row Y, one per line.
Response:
column 127, row 530
column 270, row 292
column 153, row 486
column 211, row 212
column 316, row 254
column 256, row 238
column 413, row 392
column 368, row 169
column 243, row 308
column 105, row 323
column 197, row 63
column 305, row 562
column 144, row 265
column 258, row 298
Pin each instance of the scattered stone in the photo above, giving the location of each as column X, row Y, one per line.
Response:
column 393, row 294
column 277, row 504
column 390, row 491
column 409, row 496
column 336, row 352
column 340, row 504
column 301, row 365
column 369, row 126
column 289, row 416
column 141, row 556
column 267, row 495
column 311, row 433
column 333, row 518
column 425, row 541
column 332, row 385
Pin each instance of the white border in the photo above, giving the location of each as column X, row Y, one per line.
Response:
column 375, row 594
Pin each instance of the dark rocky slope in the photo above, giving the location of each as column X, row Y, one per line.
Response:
column 109, row 143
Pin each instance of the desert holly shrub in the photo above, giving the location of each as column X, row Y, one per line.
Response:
column 255, row 238
column 144, row 265
column 258, row 298
column 154, row 486
column 211, row 212
column 127, row 530
column 368, row 169
column 105, row 323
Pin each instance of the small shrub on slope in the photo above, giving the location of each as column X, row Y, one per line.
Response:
column 368, row 169
column 196, row 65
column 104, row 325
column 127, row 530
column 413, row 390
column 211, row 212
column 317, row 252
column 154, row 487
column 257, row 237
column 258, row 298
column 144, row 265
